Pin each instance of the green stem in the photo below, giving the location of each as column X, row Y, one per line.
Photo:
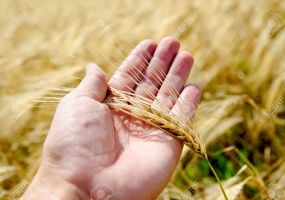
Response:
column 218, row 179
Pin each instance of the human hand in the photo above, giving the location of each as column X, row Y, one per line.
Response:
column 93, row 152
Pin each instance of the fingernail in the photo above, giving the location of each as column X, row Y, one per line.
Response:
column 194, row 85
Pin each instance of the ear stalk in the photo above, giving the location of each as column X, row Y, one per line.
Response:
column 217, row 178
column 144, row 109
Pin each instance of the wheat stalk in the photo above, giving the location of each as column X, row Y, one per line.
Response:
column 153, row 113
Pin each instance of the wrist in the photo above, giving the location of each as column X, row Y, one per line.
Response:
column 46, row 186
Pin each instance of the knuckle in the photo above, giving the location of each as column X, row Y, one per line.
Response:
column 98, row 77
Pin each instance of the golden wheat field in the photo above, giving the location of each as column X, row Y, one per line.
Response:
column 239, row 51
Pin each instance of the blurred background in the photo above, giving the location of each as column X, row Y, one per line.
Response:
column 238, row 48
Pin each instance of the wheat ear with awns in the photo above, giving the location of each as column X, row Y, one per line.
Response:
column 153, row 113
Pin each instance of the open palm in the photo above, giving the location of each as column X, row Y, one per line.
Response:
column 111, row 155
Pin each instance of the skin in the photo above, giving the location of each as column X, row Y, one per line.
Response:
column 93, row 152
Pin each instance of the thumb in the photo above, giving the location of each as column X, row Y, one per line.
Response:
column 94, row 84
